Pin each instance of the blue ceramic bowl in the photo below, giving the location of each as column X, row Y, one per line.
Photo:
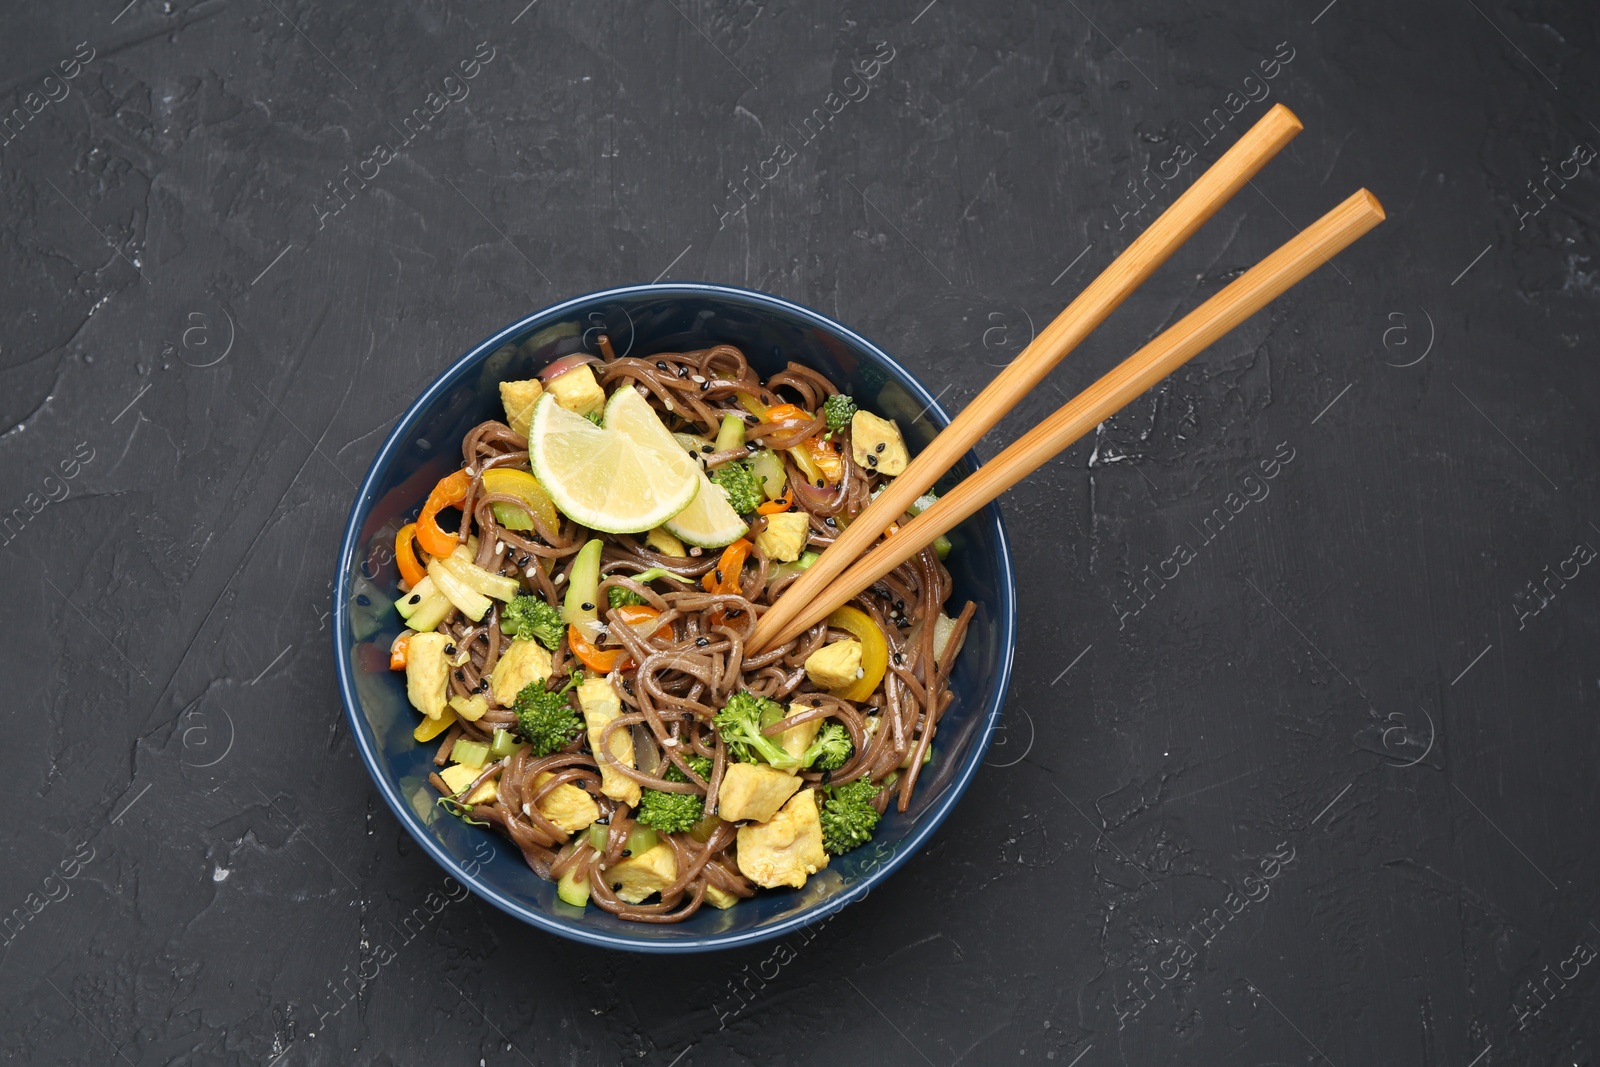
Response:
column 426, row 445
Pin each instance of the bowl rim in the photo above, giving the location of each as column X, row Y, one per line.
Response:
column 386, row 454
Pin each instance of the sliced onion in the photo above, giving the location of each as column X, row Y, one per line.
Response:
column 566, row 363
column 646, row 753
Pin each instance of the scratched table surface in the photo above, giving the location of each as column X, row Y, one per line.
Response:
column 1297, row 764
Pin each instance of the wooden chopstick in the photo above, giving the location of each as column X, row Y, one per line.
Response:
column 1152, row 248
column 1246, row 295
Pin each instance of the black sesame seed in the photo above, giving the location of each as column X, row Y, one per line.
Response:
column 523, row 562
column 602, row 636
column 880, row 446
column 449, row 650
column 416, row 598
column 752, row 447
column 702, row 642
column 483, row 685
column 459, row 676
column 899, row 657
column 765, row 399
column 588, row 607
column 819, row 483
column 364, row 600
column 707, row 448
column 606, row 820
column 735, row 613
column 719, row 575
column 683, row 372
column 872, row 461
column 829, row 522
column 627, row 852
column 661, row 364
column 899, row 605
column 704, row 386
column 616, row 887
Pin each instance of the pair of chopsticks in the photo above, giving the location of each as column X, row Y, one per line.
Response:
column 841, row 571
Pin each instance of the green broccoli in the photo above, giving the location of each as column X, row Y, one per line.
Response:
column 838, row 408
column 741, row 484
column 527, row 616
column 740, row 723
column 546, row 719
column 596, row 416
column 848, row 817
column 674, row 812
column 830, row 750
column 621, row 595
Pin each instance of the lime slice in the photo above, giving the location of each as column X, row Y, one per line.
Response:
column 605, row 478
column 709, row 521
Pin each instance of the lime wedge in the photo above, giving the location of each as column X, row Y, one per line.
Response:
column 624, row 478
column 709, row 521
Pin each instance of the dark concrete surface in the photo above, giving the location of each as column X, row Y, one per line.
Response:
column 1320, row 791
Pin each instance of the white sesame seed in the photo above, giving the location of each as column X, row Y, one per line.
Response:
column 697, row 379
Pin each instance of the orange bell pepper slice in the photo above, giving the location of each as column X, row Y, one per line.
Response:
column 773, row 507
column 406, row 556
column 450, row 491
column 725, row 579
column 822, row 455
column 781, row 413
column 397, row 652
column 607, row 660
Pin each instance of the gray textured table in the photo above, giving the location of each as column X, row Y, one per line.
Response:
column 1298, row 764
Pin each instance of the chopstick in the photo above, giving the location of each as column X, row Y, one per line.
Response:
column 1246, row 295
column 1152, row 248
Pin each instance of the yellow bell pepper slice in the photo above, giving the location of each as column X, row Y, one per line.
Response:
column 526, row 488
column 874, row 651
column 428, row 728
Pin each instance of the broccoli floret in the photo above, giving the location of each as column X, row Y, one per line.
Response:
column 673, row 813
column 670, row 813
column 740, row 723
column 620, row 596
column 848, row 817
column 701, row 765
column 741, row 485
column 830, row 750
column 838, row 408
column 528, row 616
column 546, row 719
column 595, row 416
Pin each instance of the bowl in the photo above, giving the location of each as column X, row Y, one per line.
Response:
column 425, row 445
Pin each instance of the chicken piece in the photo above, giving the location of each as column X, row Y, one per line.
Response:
column 524, row 662
column 566, row 805
column 636, row 877
column 754, row 791
column 600, row 705
column 785, row 536
column 576, row 390
column 796, row 739
column 835, row 666
column 428, row 673
column 876, row 444
column 787, row 849
column 720, row 898
column 458, row 776
column 518, row 399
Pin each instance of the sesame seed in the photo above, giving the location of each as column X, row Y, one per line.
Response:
column 450, row 650
column 707, row 448
column 661, row 364
column 702, row 642
column 683, row 372
column 880, row 447
column 696, row 378
column 616, row 887
column 416, row 598
column 872, row 461
column 696, row 551
column 460, row 677
column 588, row 607
column 704, row 386
column 625, row 852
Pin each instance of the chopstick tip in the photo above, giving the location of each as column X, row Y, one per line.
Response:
column 1286, row 115
column 1372, row 203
